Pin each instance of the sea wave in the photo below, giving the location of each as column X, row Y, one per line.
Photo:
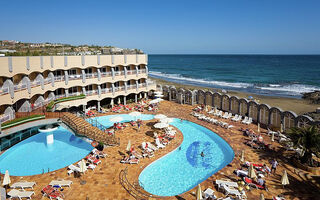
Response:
column 293, row 88
column 179, row 77
column 277, row 89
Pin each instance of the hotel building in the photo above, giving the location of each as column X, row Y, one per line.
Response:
column 31, row 82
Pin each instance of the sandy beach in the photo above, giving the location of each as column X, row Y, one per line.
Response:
column 299, row 106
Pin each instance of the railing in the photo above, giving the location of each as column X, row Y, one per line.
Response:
column 119, row 73
column 105, row 74
column 91, row 92
column 140, row 71
column 4, row 118
column 4, row 91
column 75, row 77
column 74, row 94
column 58, row 78
column 60, row 96
column 129, row 72
column 106, row 90
column 92, row 75
column 47, row 81
column 134, row 189
column 19, row 87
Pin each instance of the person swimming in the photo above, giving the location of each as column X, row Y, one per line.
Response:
column 202, row 154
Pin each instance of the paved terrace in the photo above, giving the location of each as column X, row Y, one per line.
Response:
column 103, row 182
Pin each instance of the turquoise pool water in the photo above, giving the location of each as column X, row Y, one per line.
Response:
column 183, row 168
column 34, row 156
column 105, row 120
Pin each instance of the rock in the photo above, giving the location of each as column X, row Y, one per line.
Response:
column 314, row 96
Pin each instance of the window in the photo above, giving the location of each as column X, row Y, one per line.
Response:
column 116, row 84
column 104, row 69
column 128, row 82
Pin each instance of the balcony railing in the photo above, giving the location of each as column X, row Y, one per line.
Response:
column 140, row 71
column 119, row 73
column 91, row 92
column 106, row 90
column 105, row 74
column 4, row 118
column 4, row 91
column 47, row 81
column 60, row 96
column 58, row 78
column 129, row 72
column 75, row 76
column 74, row 94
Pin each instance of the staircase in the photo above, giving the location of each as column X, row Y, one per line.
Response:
column 82, row 127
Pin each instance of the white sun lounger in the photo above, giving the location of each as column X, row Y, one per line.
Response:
column 159, row 145
column 151, row 146
column 225, row 115
column 245, row 120
column 143, row 145
column 20, row 194
column 235, row 117
column 209, row 193
column 228, row 183
column 249, row 121
column 74, row 168
column 23, row 184
column 231, row 191
column 61, row 183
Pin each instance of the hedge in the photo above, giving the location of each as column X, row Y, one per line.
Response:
column 52, row 103
column 21, row 120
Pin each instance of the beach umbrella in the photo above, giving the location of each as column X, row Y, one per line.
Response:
column 135, row 114
column 154, row 101
column 166, row 120
column 242, row 156
column 116, row 119
column 112, row 102
column 128, row 145
column 199, row 193
column 6, row 179
column 284, row 178
column 272, row 137
column 251, row 172
column 259, row 127
column 160, row 116
column 261, row 196
column 140, row 96
column 281, row 128
column 83, row 166
column 161, row 125
column 119, row 101
column 157, row 92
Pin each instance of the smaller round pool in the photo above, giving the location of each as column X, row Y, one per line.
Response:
column 34, row 156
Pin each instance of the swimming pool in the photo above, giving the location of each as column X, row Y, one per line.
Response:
column 183, row 168
column 105, row 120
column 33, row 156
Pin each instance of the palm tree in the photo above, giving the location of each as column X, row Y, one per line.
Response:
column 307, row 138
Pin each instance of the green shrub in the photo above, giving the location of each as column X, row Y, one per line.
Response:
column 20, row 120
column 52, row 103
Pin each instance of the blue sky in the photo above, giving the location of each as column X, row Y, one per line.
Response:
column 170, row 26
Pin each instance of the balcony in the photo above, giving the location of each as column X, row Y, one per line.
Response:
column 105, row 74
column 74, row 77
column 106, row 90
column 91, row 92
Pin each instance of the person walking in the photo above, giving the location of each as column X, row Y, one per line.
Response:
column 274, row 165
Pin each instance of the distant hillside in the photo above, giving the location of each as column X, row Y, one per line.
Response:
column 17, row 48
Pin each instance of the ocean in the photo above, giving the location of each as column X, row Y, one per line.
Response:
column 272, row 75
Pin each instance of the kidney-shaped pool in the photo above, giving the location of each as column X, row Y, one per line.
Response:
column 201, row 154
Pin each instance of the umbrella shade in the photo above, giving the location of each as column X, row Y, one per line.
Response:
column 259, row 127
column 159, row 95
column 128, row 145
column 281, row 128
column 251, row 172
column 116, row 119
column 272, row 137
column 119, row 101
column 199, row 193
column 242, row 156
column 140, row 96
column 284, row 178
column 161, row 125
column 160, row 116
column 166, row 120
column 6, row 178
column 83, row 166
column 261, row 196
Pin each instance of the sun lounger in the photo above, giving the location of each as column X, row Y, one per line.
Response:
column 245, row 120
column 226, row 182
column 235, row 117
column 99, row 153
column 225, row 115
column 23, row 184
column 241, row 173
column 3, row 193
column 159, row 145
column 252, row 183
column 231, row 191
column 209, row 193
column 127, row 160
column 146, row 147
column 249, row 121
column 151, row 146
column 20, row 194
column 61, row 183
column 73, row 168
